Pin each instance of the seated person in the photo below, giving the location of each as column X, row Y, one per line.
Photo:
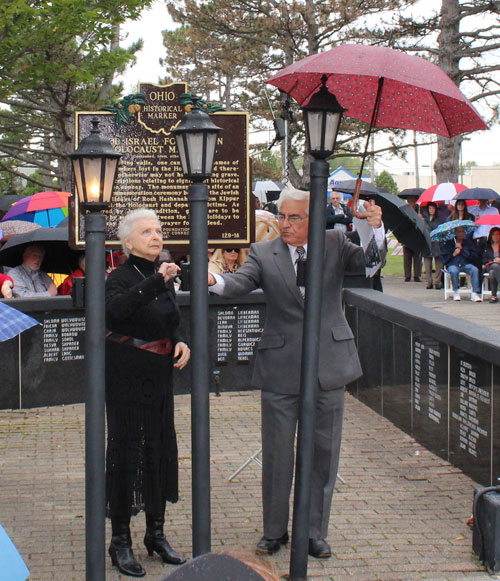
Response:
column 6, row 284
column 227, row 260
column 338, row 216
column 28, row 279
column 459, row 255
column 67, row 284
column 491, row 261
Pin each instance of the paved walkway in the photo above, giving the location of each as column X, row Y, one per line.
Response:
column 400, row 515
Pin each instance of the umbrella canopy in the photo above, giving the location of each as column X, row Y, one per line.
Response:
column 349, row 186
column 446, row 231
column 267, row 190
column 13, row 227
column 13, row 322
column 58, row 255
column 477, row 194
column 407, row 226
column 410, row 192
column 7, row 201
column 47, row 209
column 444, row 192
column 412, row 93
column 488, row 220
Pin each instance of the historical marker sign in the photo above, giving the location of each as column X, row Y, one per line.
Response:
column 150, row 172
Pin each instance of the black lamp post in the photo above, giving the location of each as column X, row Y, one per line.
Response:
column 322, row 116
column 95, row 166
column 196, row 138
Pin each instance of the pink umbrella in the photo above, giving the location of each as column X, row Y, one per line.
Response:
column 444, row 192
column 385, row 88
column 488, row 220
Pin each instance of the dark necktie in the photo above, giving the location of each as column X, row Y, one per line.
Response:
column 301, row 251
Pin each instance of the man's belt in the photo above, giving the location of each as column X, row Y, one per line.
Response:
column 160, row 347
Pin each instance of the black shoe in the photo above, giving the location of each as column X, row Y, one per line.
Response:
column 122, row 556
column 416, row 279
column 407, row 279
column 438, row 287
column 160, row 545
column 270, row 546
column 429, row 286
column 319, row 548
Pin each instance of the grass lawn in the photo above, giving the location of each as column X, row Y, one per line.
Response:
column 393, row 265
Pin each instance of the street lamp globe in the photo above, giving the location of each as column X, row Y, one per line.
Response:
column 95, row 166
column 322, row 116
column 196, row 138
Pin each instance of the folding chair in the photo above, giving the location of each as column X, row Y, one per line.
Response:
column 464, row 281
column 485, row 287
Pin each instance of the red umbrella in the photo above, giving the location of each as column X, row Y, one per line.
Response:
column 489, row 220
column 385, row 88
column 444, row 192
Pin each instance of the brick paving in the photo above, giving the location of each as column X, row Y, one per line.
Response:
column 401, row 514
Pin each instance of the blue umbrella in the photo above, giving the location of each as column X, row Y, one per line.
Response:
column 446, row 231
column 13, row 322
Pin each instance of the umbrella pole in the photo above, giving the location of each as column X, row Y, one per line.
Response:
column 355, row 197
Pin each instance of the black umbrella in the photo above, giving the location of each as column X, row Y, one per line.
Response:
column 58, row 255
column 348, row 186
column 409, row 192
column 407, row 226
column 213, row 566
column 477, row 194
column 7, row 201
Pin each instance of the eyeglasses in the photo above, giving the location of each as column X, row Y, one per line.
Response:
column 231, row 249
column 293, row 218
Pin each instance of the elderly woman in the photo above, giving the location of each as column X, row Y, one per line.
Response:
column 142, row 318
column 227, row 260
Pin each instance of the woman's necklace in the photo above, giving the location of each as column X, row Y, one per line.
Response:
column 144, row 277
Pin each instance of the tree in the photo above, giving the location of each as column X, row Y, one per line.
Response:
column 466, row 48
column 256, row 39
column 56, row 57
column 266, row 165
column 387, row 183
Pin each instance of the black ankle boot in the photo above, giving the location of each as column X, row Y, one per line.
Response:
column 120, row 551
column 155, row 541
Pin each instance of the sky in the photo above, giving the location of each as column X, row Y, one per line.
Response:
column 480, row 146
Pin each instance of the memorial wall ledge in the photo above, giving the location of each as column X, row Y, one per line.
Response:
column 470, row 337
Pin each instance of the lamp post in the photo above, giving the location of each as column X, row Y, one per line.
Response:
column 196, row 138
column 322, row 116
column 95, row 166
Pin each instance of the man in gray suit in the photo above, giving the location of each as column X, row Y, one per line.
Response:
column 272, row 265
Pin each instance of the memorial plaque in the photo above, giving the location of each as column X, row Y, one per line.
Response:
column 430, row 394
column 396, row 375
column 52, row 358
column 150, row 172
column 9, row 372
column 471, row 415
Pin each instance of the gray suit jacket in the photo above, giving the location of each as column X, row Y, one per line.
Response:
column 277, row 364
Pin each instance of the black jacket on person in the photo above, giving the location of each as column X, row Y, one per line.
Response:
column 332, row 218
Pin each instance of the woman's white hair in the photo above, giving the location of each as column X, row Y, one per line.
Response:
column 290, row 193
column 128, row 221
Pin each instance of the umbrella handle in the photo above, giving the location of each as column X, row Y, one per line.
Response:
column 355, row 198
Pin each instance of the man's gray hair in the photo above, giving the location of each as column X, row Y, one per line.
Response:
column 290, row 193
column 128, row 221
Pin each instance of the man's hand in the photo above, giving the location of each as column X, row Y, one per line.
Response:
column 52, row 290
column 211, row 279
column 374, row 215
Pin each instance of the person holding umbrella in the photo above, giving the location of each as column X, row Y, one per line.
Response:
column 6, row 284
column 29, row 280
column 459, row 255
column 491, row 261
column 430, row 215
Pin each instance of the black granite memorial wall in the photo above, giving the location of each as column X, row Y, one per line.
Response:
column 432, row 375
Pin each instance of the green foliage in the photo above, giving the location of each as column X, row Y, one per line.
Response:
column 266, row 165
column 126, row 108
column 386, row 182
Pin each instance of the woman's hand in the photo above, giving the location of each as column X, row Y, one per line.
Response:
column 6, row 289
column 182, row 353
column 168, row 270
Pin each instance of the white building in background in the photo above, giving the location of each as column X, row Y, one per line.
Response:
column 476, row 177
